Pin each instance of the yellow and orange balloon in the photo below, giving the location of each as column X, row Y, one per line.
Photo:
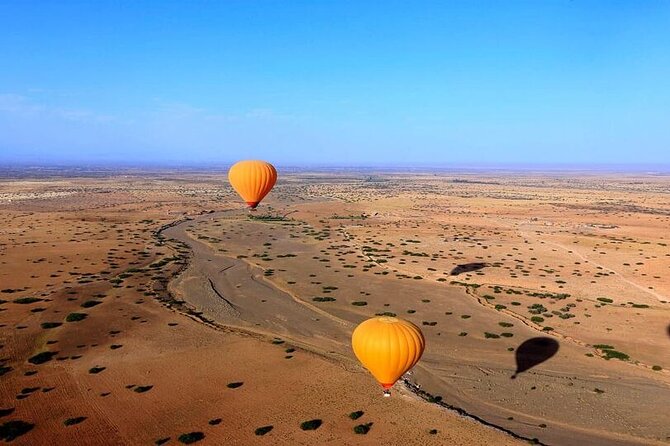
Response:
column 252, row 180
column 388, row 347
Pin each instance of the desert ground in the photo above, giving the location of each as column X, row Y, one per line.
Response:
column 150, row 307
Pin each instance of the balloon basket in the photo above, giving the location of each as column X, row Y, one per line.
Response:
column 387, row 393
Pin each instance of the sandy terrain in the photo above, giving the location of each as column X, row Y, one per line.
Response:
column 195, row 310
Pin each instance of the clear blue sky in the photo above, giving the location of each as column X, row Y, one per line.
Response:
column 335, row 82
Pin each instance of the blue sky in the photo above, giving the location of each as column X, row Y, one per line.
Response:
column 335, row 82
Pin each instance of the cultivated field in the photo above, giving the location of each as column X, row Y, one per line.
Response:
column 152, row 308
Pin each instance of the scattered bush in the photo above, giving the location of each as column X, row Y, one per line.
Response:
column 613, row 354
column 363, row 429
column 263, row 430
column 191, row 437
column 13, row 429
column 48, row 325
column 73, row 421
column 311, row 425
column 27, row 300
column 42, row 357
column 76, row 317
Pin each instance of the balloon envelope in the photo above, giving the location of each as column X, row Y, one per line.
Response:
column 388, row 347
column 534, row 351
column 252, row 180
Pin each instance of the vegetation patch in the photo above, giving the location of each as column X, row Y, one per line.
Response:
column 323, row 299
column 42, row 357
column 191, row 437
column 234, row 385
column 12, row 430
column 27, row 300
column 363, row 429
column 76, row 317
column 73, row 421
column 263, row 430
column 356, row 415
column 613, row 354
column 311, row 425
column 48, row 325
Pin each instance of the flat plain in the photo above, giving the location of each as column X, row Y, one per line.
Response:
column 149, row 307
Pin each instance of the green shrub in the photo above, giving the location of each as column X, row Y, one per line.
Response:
column 656, row 368
column 27, row 300
column 363, row 429
column 324, row 299
column 263, row 430
column 356, row 415
column 191, row 437
column 613, row 354
column 311, row 425
column 11, row 430
column 42, row 357
column 359, row 303
column 73, row 421
column 90, row 303
column 48, row 325
column 537, row 319
column 76, row 317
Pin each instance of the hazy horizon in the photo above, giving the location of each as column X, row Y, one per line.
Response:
column 360, row 167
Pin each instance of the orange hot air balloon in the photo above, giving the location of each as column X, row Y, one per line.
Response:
column 252, row 180
column 388, row 347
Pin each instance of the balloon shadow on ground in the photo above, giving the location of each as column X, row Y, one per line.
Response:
column 534, row 351
column 467, row 268
column 668, row 329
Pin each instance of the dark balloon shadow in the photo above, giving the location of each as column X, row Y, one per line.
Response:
column 467, row 268
column 534, row 351
column 668, row 329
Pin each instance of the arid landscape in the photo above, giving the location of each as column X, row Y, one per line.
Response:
column 150, row 307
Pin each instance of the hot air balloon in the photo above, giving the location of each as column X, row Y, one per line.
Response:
column 388, row 347
column 252, row 180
